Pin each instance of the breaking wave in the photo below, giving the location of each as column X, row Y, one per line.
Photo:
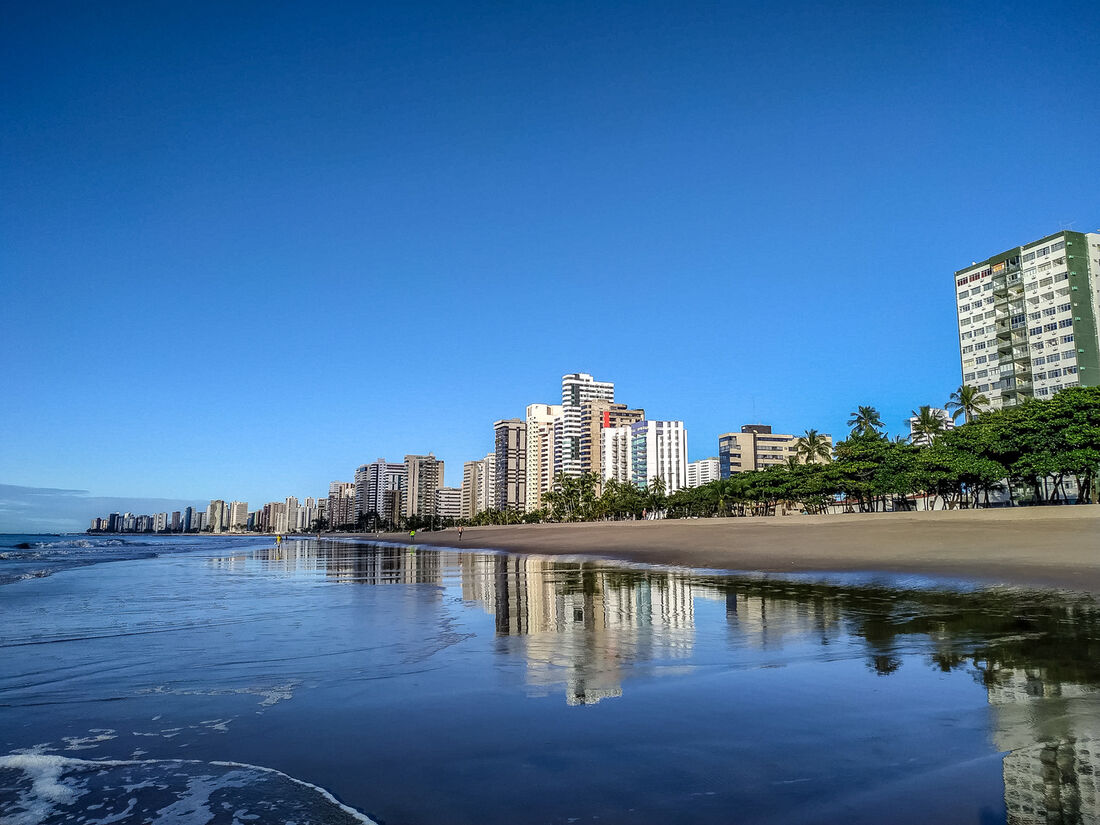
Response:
column 43, row 789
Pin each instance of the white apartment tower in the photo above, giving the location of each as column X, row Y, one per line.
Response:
column 659, row 449
column 1028, row 319
column 703, row 472
column 540, row 451
column 578, row 389
column 238, row 516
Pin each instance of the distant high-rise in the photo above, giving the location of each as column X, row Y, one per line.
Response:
column 341, row 504
column 217, row 516
column 511, row 464
column 703, row 472
column 923, row 439
column 238, row 516
column 448, row 502
column 423, row 476
column 160, row 523
column 578, row 389
column 540, row 451
column 1028, row 319
column 175, row 524
column 188, row 516
column 380, row 490
column 658, row 449
column 596, row 416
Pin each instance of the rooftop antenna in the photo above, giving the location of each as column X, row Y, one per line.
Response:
column 1066, row 225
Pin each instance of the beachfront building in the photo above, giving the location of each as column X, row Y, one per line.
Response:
column 160, row 523
column 238, row 516
column 479, row 485
column 380, row 491
column 341, row 504
column 448, row 502
column 217, row 516
column 756, row 447
column 923, row 439
column 597, row 416
column 1027, row 319
column 578, row 390
column 658, row 449
column 703, row 472
column 540, row 451
column 511, row 464
column 423, row 476
column 615, row 454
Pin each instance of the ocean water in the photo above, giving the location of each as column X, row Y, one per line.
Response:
column 225, row 680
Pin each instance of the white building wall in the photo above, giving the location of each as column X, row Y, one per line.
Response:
column 702, row 472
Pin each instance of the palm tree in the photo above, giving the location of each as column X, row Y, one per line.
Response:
column 925, row 425
column 811, row 446
column 865, row 421
column 967, row 401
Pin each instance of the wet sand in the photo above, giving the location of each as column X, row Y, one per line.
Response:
column 1039, row 546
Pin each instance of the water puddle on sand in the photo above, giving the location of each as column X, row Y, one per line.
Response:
column 427, row 686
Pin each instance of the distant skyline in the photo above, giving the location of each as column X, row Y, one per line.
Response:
column 246, row 248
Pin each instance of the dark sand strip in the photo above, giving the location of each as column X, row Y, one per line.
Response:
column 1038, row 546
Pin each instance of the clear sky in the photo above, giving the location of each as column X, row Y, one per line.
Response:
column 245, row 248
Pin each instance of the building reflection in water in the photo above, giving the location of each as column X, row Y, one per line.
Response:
column 581, row 624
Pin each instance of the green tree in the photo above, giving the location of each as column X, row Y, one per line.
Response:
column 927, row 426
column 967, row 402
column 811, row 446
column 865, row 421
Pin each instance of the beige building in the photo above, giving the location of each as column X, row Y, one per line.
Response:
column 478, row 486
column 756, row 447
column 540, row 451
column 238, row 516
column 423, row 476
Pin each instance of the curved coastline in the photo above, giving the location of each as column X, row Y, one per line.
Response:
column 1034, row 546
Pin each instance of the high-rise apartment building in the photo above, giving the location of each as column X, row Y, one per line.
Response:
column 217, row 516
column 380, row 490
column 598, row 415
column 511, row 464
column 540, row 451
column 578, row 390
column 188, row 516
column 615, row 447
column 659, row 449
column 238, row 516
column 341, row 504
column 448, row 502
column 479, row 485
column 1028, row 319
column 703, row 472
column 756, row 447
column 423, row 476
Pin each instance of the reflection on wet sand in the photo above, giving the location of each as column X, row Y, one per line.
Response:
column 581, row 625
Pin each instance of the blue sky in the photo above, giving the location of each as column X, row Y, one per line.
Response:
column 247, row 247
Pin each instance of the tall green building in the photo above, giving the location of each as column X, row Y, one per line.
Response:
column 1028, row 318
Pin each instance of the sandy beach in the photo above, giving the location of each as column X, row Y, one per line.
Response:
column 1038, row 546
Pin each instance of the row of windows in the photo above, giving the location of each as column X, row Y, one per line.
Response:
column 1046, row 250
column 1063, row 324
column 1069, row 355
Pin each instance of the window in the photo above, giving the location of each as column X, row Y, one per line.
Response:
column 967, row 335
column 1069, row 355
column 1057, row 245
column 1067, row 339
column 980, row 345
column 963, row 294
column 962, row 280
column 991, row 314
column 964, row 308
column 982, row 373
column 968, row 348
column 1042, row 391
column 1033, row 316
column 1037, row 345
column 1040, row 376
column 1047, row 281
column 1054, row 374
column 1035, row 331
column 1049, row 311
column 1061, row 276
column 1049, row 327
column 1065, row 307
column 1029, row 256
column 981, row 359
column 1038, row 361
column 990, row 300
column 1066, row 323
column 1071, row 370
column 983, row 387
column 988, row 287
column 1044, row 251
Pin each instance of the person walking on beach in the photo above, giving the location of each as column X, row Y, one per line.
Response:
column 460, row 532
column 412, row 534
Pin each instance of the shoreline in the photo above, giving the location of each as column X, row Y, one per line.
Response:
column 1034, row 546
